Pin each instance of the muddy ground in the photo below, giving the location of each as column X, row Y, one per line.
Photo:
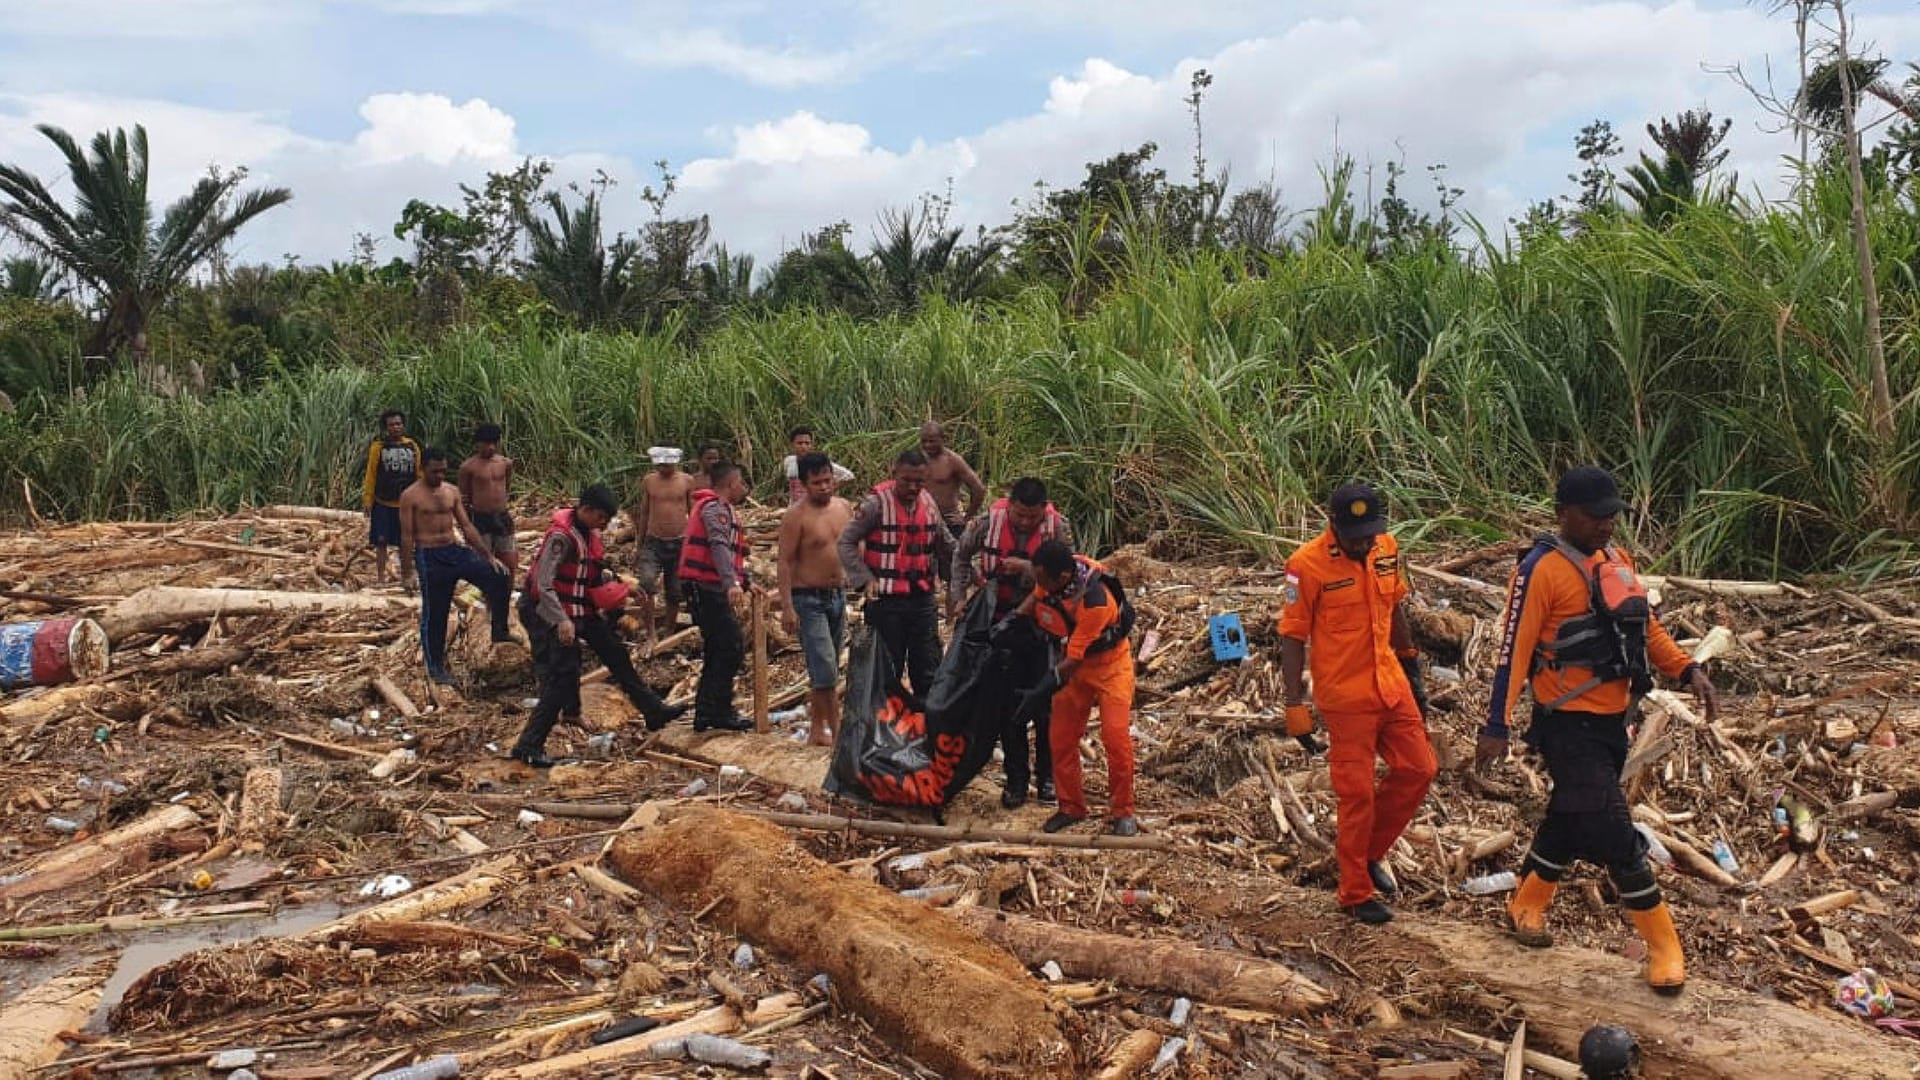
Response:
column 1820, row 710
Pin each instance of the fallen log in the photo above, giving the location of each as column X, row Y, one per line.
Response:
column 260, row 795
column 30, row 1025
column 394, row 696
column 1130, row 1055
column 1214, row 976
column 888, row 957
column 722, row 1020
column 1709, row 1033
column 96, row 856
column 310, row 513
column 58, row 702
column 162, row 606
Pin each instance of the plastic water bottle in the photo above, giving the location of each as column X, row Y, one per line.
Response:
column 788, row 716
column 1169, row 1053
column 1134, row 896
column 1656, row 850
column 438, row 1067
column 1181, row 1009
column 1723, row 855
column 1504, row 881
column 714, row 1050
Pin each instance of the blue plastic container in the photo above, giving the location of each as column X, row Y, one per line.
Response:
column 1229, row 637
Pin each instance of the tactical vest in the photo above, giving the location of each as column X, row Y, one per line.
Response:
column 1610, row 640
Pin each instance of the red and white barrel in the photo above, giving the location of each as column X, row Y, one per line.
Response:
column 51, row 652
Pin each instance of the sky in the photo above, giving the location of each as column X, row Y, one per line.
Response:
column 779, row 117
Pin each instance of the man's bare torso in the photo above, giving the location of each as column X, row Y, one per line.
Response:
column 668, row 499
column 812, row 533
column 484, row 482
column 944, row 482
column 431, row 510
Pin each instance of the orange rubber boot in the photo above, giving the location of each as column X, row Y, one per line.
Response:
column 1666, row 966
column 1527, row 911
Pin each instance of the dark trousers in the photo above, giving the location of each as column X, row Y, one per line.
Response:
column 1024, row 654
column 721, row 652
column 557, row 668
column 1587, row 816
column 600, row 635
column 440, row 570
column 909, row 627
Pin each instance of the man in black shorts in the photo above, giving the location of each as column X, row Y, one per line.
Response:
column 483, row 488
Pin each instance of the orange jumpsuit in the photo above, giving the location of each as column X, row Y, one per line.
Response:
column 1343, row 611
column 1103, row 678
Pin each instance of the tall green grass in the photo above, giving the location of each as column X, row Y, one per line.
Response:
column 1716, row 366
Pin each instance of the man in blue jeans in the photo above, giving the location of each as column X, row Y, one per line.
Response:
column 813, row 588
column 432, row 523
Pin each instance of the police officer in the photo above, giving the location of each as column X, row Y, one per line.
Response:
column 1344, row 613
column 1580, row 633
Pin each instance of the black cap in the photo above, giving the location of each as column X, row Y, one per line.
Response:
column 1357, row 510
column 1592, row 489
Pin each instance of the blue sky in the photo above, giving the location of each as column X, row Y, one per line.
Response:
column 783, row 116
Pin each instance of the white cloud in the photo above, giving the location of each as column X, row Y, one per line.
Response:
column 432, row 127
column 1493, row 90
column 720, row 51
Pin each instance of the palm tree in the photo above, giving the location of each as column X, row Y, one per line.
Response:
column 28, row 278
column 111, row 243
column 571, row 265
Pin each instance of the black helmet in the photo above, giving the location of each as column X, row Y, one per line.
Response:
column 1609, row 1053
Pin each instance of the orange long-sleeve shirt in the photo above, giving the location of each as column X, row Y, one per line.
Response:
column 1547, row 590
column 1343, row 610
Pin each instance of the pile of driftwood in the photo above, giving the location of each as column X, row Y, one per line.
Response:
column 263, row 752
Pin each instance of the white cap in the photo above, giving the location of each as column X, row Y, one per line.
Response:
column 664, row 455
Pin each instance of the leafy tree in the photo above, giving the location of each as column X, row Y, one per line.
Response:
column 111, row 243
column 1662, row 189
column 1595, row 146
column 573, row 267
column 27, row 277
column 1256, row 221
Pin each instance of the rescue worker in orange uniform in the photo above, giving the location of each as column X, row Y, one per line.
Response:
column 1344, row 618
column 1580, row 632
column 1081, row 603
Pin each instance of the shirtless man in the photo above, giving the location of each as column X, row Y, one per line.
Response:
column 660, row 520
column 432, row 523
column 709, row 457
column 947, row 473
column 813, row 589
column 483, row 488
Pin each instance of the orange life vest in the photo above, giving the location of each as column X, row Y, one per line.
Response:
column 574, row 581
column 899, row 550
column 999, row 545
column 696, row 555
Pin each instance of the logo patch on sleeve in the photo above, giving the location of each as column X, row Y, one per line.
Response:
column 1292, row 592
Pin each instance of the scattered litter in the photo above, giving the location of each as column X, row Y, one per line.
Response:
column 438, row 1067
column 714, row 1050
column 1051, row 969
column 792, row 802
column 228, row 1060
column 387, row 886
column 743, row 957
column 1177, row 1016
column 62, row 825
column 696, row 786
column 1864, row 993
column 1488, row 884
column 1169, row 1053
column 529, row 818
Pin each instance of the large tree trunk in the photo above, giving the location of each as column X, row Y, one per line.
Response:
column 939, row 990
column 1711, row 1032
column 163, row 606
column 1175, row 967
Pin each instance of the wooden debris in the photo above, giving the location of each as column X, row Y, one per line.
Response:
column 161, row 606
column 723, row 1020
column 97, row 855
column 260, row 801
column 1545, row 1064
column 1130, row 1055
column 396, row 697
column 31, row 1024
column 888, row 957
column 1174, row 967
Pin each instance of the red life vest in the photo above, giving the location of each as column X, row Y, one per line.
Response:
column 899, row 550
column 575, row 580
column 696, row 555
column 999, row 544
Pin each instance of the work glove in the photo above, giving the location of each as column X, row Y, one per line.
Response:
column 1299, row 720
column 1411, row 665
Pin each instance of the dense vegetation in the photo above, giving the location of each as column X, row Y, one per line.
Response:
column 1169, row 356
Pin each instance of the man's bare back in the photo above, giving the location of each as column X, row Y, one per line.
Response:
column 667, row 501
column 483, row 482
column 434, row 514
column 809, row 536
